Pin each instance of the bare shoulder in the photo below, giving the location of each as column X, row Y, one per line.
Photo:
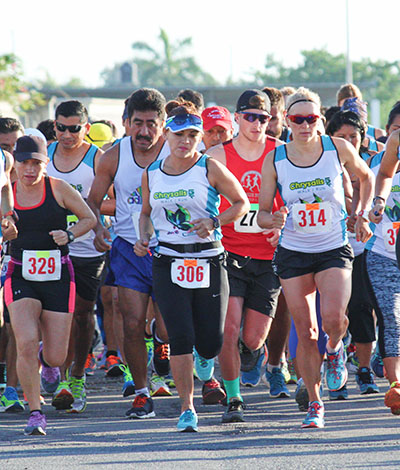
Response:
column 218, row 153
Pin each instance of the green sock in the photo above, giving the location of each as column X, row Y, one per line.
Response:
column 232, row 388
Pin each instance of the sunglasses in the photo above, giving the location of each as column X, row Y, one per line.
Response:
column 73, row 129
column 252, row 117
column 299, row 119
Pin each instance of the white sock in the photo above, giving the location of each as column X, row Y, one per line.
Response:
column 144, row 390
column 271, row 366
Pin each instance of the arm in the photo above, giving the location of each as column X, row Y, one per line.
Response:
column 146, row 229
column 68, row 197
column 8, row 228
column 356, row 165
column 106, row 169
column 218, row 153
column 387, row 169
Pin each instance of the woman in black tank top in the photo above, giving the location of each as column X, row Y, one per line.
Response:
column 39, row 287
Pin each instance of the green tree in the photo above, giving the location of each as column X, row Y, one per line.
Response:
column 13, row 89
column 167, row 65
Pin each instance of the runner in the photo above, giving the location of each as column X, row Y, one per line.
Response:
column 123, row 165
column 254, row 288
column 383, row 271
column 73, row 160
column 180, row 194
column 313, row 251
column 40, row 287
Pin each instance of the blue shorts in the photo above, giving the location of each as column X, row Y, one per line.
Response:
column 129, row 270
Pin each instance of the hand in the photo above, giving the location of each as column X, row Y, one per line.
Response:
column 60, row 237
column 202, row 227
column 99, row 242
column 376, row 213
column 141, row 248
column 273, row 236
column 8, row 229
column 351, row 222
column 363, row 232
column 279, row 217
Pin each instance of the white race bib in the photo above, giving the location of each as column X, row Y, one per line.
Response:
column 135, row 219
column 389, row 232
column 248, row 222
column 312, row 218
column 41, row 265
column 71, row 221
column 191, row 273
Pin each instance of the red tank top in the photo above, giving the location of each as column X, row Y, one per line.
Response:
column 242, row 237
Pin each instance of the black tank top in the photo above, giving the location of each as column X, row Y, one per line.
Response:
column 36, row 222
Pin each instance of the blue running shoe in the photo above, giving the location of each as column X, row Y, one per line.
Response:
column 377, row 364
column 204, row 367
column 252, row 377
column 277, row 385
column 187, row 421
column 9, row 401
column 336, row 371
column 341, row 394
column 315, row 416
column 365, row 380
column 129, row 387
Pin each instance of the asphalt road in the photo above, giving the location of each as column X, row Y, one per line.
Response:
column 360, row 433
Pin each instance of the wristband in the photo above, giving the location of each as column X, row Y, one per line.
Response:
column 378, row 197
column 361, row 214
column 12, row 214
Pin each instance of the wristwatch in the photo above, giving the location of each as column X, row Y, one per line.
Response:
column 12, row 214
column 71, row 236
column 216, row 222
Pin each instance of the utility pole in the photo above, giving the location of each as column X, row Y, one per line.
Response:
column 349, row 68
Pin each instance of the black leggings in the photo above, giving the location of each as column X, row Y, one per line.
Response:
column 193, row 317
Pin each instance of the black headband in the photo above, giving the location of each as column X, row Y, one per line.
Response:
column 300, row 101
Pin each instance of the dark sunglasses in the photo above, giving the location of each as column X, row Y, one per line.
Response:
column 252, row 117
column 299, row 119
column 73, row 129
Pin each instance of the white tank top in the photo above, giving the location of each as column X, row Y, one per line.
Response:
column 314, row 196
column 128, row 192
column 80, row 178
column 384, row 236
column 176, row 200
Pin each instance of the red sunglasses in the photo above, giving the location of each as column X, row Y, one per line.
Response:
column 299, row 119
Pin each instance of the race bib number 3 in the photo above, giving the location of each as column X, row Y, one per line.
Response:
column 41, row 265
column 71, row 221
column 191, row 273
column 312, row 218
column 390, row 231
column 248, row 222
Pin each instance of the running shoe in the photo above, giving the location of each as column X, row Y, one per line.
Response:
column 392, row 398
column 341, row 394
column 365, row 380
column 204, row 368
column 276, row 381
column 90, row 364
column 160, row 354
column 377, row 364
column 112, row 366
column 252, row 377
column 234, row 412
column 292, row 372
column 285, row 371
column 169, row 380
column 315, row 416
column 353, row 363
column 248, row 358
column 129, row 386
column 77, row 386
column 36, row 424
column 212, row 392
column 3, row 376
column 42, row 400
column 336, row 371
column 301, row 395
column 142, row 407
column 150, row 349
column 49, row 376
column 158, row 387
column 9, row 401
column 63, row 398
column 187, row 421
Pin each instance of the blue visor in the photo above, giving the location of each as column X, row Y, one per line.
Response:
column 182, row 122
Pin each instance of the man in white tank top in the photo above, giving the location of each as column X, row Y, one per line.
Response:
column 123, row 165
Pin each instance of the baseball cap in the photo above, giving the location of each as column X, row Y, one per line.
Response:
column 181, row 122
column 246, row 101
column 30, row 146
column 35, row 132
column 99, row 134
column 216, row 116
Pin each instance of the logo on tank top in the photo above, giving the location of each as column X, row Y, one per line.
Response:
column 179, row 219
column 393, row 213
column 78, row 187
column 136, row 196
column 308, row 184
column 251, row 183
